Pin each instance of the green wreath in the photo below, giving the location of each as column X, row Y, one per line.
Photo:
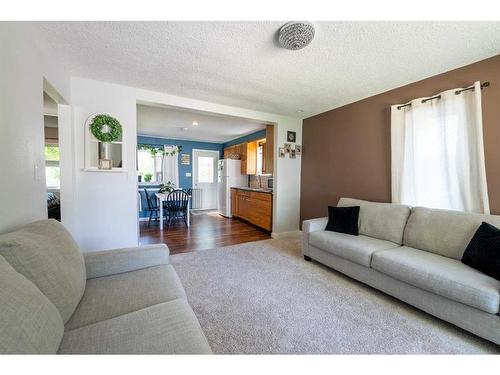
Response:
column 114, row 132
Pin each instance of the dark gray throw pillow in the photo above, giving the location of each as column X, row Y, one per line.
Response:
column 483, row 251
column 343, row 220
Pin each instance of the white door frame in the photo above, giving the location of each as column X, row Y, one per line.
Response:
column 67, row 166
column 193, row 176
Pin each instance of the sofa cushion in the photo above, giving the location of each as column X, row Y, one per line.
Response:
column 443, row 276
column 343, row 220
column 483, row 252
column 112, row 296
column 110, row 262
column 46, row 254
column 385, row 221
column 166, row 328
column 29, row 322
column 358, row 249
column 443, row 232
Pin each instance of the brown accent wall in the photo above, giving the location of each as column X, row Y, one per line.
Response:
column 347, row 151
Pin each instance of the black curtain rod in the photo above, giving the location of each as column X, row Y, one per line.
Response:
column 457, row 92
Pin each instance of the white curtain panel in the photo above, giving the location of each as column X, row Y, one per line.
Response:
column 438, row 153
column 170, row 166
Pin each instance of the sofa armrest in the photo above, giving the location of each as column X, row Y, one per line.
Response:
column 309, row 226
column 110, row 262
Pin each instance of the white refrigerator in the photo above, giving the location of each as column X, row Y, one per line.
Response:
column 229, row 175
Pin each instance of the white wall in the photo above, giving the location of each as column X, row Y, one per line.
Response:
column 287, row 180
column 22, row 165
column 105, row 213
column 23, row 67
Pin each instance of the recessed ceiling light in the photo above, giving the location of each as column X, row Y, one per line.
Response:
column 300, row 111
column 185, row 129
column 195, row 123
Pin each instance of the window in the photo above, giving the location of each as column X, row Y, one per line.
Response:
column 205, row 169
column 437, row 152
column 52, row 171
column 149, row 167
column 260, row 158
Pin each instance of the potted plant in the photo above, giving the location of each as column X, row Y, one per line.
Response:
column 166, row 188
column 148, row 177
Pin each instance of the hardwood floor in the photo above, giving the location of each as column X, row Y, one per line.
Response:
column 207, row 231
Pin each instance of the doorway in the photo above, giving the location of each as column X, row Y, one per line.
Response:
column 58, row 155
column 52, row 168
column 205, row 177
column 202, row 139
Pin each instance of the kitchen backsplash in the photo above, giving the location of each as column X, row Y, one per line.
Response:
column 258, row 181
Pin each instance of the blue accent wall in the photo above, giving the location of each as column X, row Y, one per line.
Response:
column 247, row 138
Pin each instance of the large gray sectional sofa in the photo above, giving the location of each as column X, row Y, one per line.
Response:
column 54, row 299
column 414, row 255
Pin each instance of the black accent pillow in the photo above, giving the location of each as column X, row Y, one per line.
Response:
column 483, row 251
column 343, row 220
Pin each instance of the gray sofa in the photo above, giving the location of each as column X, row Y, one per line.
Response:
column 54, row 299
column 414, row 255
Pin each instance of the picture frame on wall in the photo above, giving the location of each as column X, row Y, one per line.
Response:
column 281, row 152
column 287, row 147
column 291, row 136
column 185, row 159
column 298, row 149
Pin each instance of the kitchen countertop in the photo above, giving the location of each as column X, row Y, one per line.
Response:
column 257, row 190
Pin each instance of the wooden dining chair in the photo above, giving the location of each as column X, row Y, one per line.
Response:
column 153, row 208
column 177, row 206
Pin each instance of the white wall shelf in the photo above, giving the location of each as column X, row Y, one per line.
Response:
column 114, row 170
column 94, row 149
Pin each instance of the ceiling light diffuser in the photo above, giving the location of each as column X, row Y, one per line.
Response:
column 295, row 35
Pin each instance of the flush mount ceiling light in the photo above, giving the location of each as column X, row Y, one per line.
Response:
column 295, row 35
column 300, row 111
column 195, row 123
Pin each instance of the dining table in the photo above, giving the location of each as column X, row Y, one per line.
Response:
column 162, row 197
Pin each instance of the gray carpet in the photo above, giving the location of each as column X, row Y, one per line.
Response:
column 262, row 297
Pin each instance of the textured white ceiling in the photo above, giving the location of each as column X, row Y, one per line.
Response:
column 178, row 124
column 239, row 63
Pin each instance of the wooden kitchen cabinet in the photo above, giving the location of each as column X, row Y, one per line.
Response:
column 243, row 206
column 253, row 206
column 232, row 152
column 248, row 152
column 251, row 164
column 234, row 202
column 268, row 152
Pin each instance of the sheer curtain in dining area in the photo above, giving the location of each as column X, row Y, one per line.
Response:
column 170, row 165
column 438, row 153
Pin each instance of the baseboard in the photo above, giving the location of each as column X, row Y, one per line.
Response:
column 278, row 235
